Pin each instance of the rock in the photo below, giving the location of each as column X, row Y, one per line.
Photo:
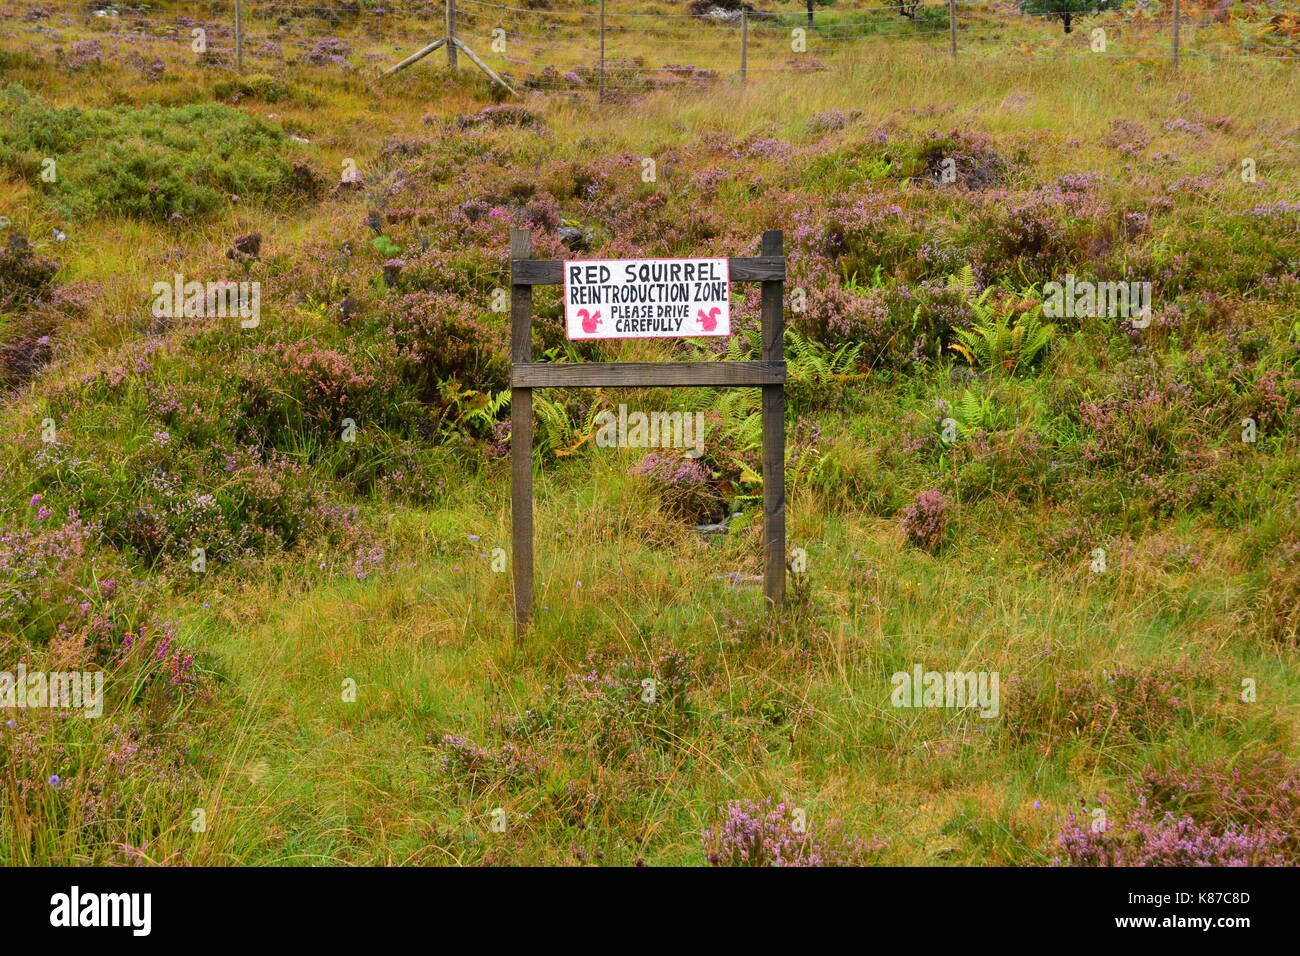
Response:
column 579, row 240
column 719, row 528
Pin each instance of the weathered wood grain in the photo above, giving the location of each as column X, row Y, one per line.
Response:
column 551, row 271
column 644, row 374
column 521, row 440
column 773, row 319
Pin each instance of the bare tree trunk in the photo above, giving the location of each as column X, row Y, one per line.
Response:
column 1067, row 17
column 810, row 12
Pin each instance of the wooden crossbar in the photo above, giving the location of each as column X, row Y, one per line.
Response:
column 644, row 374
column 551, row 271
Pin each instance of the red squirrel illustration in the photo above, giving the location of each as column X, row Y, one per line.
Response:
column 590, row 323
column 709, row 322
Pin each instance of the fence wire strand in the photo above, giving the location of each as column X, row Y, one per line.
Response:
column 532, row 47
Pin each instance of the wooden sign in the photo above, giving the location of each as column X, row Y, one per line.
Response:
column 525, row 374
column 646, row 298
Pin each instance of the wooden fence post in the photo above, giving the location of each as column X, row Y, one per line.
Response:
column 521, row 439
column 1177, row 25
column 744, row 42
column 239, row 38
column 952, row 27
column 600, row 94
column 773, row 320
column 451, row 34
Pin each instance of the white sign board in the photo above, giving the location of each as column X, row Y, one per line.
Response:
column 646, row 298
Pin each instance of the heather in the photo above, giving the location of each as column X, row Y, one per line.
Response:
column 1218, row 813
column 286, row 545
column 756, row 833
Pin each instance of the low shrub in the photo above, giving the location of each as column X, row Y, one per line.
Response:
column 760, row 833
column 925, row 520
column 150, row 162
column 1210, row 814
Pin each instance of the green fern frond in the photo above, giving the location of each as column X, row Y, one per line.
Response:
column 995, row 345
column 963, row 280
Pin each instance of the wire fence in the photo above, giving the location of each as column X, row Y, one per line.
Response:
column 614, row 52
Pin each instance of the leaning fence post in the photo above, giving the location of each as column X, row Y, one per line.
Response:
column 521, row 436
column 952, row 27
column 451, row 34
column 744, row 42
column 239, row 38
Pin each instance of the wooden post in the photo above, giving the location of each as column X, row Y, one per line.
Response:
column 521, row 439
column 451, row 34
column 482, row 66
column 744, row 42
column 1177, row 25
column 417, row 55
column 952, row 27
column 773, row 320
column 239, row 38
column 600, row 93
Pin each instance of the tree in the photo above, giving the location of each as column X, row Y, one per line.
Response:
column 816, row 3
column 1067, row 11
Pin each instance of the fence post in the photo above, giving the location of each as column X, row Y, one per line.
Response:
column 451, row 34
column 952, row 27
column 600, row 94
column 773, row 324
column 521, row 439
column 1177, row 24
column 744, row 42
column 239, row 38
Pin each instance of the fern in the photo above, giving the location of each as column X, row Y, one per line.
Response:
column 995, row 345
column 743, row 346
column 487, row 413
column 556, row 433
column 975, row 412
column 963, row 281
column 810, row 361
